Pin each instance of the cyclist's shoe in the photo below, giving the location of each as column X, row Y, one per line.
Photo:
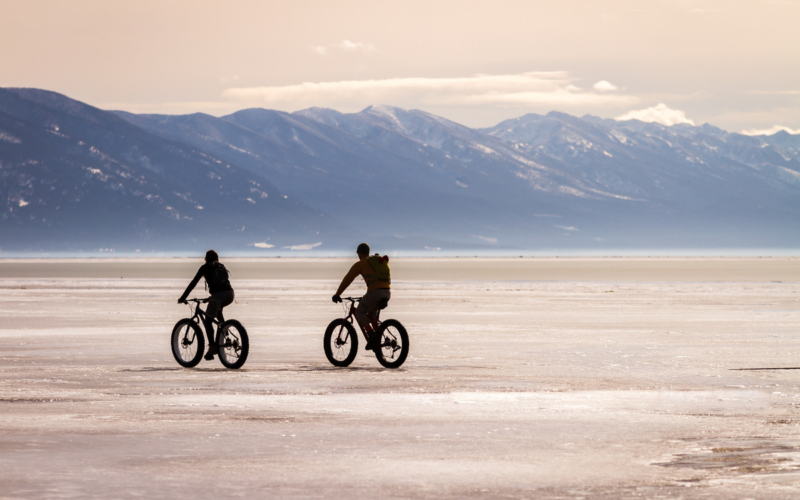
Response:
column 371, row 339
column 213, row 350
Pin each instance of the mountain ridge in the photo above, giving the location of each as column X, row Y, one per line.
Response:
column 110, row 183
column 402, row 178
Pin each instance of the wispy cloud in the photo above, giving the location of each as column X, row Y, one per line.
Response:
column 605, row 86
column 307, row 246
column 531, row 88
column 345, row 46
column 660, row 113
column 487, row 239
column 775, row 92
column 353, row 46
column 261, row 245
column 217, row 108
column 171, row 107
column 770, row 131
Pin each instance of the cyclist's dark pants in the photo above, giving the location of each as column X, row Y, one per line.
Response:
column 369, row 305
column 214, row 310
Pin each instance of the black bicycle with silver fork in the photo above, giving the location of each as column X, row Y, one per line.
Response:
column 188, row 343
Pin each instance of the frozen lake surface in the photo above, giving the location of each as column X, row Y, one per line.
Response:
column 573, row 385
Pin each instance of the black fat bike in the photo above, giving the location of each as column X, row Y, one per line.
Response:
column 341, row 341
column 188, row 342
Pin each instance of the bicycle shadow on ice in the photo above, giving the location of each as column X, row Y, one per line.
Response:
column 152, row 369
column 175, row 369
column 766, row 368
column 323, row 368
column 304, row 368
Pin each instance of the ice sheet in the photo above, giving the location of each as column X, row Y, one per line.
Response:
column 579, row 389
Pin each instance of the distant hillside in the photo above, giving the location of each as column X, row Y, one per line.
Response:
column 77, row 177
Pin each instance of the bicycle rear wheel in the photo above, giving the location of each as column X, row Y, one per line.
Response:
column 234, row 344
column 340, row 342
column 187, row 343
column 393, row 348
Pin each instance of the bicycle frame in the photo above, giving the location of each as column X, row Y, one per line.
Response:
column 201, row 314
column 374, row 320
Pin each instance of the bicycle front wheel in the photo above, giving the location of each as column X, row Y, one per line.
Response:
column 187, row 343
column 234, row 344
column 393, row 347
column 341, row 343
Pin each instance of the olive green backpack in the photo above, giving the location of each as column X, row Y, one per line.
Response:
column 381, row 267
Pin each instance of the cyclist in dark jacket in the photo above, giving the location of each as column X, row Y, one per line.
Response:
column 219, row 287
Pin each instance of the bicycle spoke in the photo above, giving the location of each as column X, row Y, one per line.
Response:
column 390, row 344
column 186, row 344
column 340, row 343
column 186, row 347
column 231, row 346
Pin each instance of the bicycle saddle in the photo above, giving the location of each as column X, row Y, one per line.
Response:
column 383, row 303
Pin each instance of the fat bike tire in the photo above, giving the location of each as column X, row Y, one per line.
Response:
column 340, row 342
column 392, row 350
column 234, row 344
column 187, row 342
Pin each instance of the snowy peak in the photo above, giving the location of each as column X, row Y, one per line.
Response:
column 415, row 123
column 533, row 130
column 322, row 115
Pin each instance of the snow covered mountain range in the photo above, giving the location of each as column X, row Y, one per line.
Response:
column 78, row 178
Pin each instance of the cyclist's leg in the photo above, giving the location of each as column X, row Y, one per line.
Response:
column 214, row 311
column 216, row 303
column 368, row 306
column 225, row 299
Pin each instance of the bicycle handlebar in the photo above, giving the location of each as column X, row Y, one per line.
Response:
column 199, row 301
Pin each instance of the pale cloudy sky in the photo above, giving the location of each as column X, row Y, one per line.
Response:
column 732, row 63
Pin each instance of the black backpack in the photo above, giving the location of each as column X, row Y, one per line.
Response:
column 218, row 276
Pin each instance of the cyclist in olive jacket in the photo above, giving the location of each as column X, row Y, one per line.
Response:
column 377, row 290
column 219, row 287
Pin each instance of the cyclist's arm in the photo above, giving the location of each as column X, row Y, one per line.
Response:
column 348, row 278
column 192, row 284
